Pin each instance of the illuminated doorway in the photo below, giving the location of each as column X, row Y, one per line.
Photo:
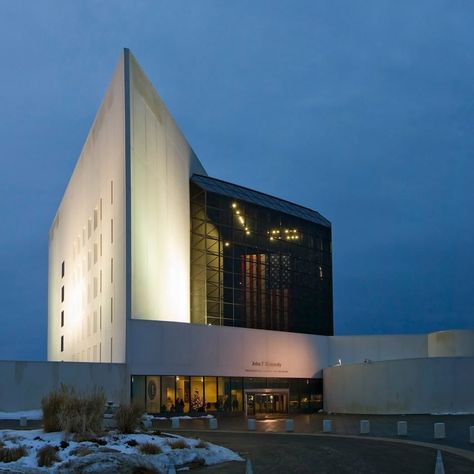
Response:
column 266, row 401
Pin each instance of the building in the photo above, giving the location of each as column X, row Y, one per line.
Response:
column 190, row 293
column 144, row 243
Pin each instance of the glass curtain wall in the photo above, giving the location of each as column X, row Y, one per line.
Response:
column 197, row 394
column 257, row 267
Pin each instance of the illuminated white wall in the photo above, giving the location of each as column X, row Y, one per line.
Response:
column 161, row 164
column 88, row 234
column 197, row 349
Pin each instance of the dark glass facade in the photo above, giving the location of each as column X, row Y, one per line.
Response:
column 258, row 261
column 170, row 394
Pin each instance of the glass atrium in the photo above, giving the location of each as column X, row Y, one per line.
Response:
column 258, row 261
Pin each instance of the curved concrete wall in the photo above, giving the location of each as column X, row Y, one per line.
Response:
column 451, row 344
column 409, row 386
column 354, row 349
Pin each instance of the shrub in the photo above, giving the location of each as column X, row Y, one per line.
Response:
column 52, row 405
column 149, row 448
column 178, row 444
column 66, row 410
column 82, row 414
column 12, row 454
column 47, row 456
column 128, row 417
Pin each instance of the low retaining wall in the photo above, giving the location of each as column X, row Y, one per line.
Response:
column 24, row 384
column 407, row 386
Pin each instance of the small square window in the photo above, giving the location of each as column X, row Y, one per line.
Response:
column 62, row 343
column 63, row 269
column 62, row 294
column 62, row 318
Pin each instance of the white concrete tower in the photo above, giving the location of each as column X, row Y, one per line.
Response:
column 119, row 244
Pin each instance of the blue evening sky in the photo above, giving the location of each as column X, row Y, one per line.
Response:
column 362, row 110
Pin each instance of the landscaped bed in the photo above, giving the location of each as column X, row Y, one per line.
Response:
column 112, row 452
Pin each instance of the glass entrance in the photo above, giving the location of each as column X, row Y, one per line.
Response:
column 266, row 402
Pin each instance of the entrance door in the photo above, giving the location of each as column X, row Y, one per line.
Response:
column 266, row 402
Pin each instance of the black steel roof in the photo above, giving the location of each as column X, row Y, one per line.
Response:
column 255, row 197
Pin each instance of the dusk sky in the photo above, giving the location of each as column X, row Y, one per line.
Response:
column 363, row 111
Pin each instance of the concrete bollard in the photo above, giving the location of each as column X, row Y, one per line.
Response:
column 364, row 427
column 471, row 434
column 327, row 426
column 289, row 425
column 213, row 423
column 439, row 431
column 23, row 421
column 174, row 422
column 147, row 423
column 402, row 428
column 251, row 424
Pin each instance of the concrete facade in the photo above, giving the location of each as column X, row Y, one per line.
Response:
column 409, row 386
column 24, row 384
column 161, row 164
column 224, row 351
column 87, row 264
column 402, row 374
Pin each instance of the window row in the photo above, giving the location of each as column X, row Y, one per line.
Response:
column 200, row 394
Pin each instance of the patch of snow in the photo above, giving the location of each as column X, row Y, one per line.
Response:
column 115, row 453
column 16, row 415
column 180, row 417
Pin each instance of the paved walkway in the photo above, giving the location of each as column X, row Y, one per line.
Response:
column 305, row 454
column 271, row 450
column 420, row 427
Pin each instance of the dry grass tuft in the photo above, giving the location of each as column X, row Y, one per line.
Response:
column 178, row 444
column 52, row 405
column 47, row 456
column 81, row 451
column 202, row 444
column 66, row 410
column 12, row 454
column 83, row 413
column 150, row 448
column 128, row 417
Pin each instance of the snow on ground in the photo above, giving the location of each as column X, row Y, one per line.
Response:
column 33, row 440
column 181, row 417
column 38, row 415
column 16, row 415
